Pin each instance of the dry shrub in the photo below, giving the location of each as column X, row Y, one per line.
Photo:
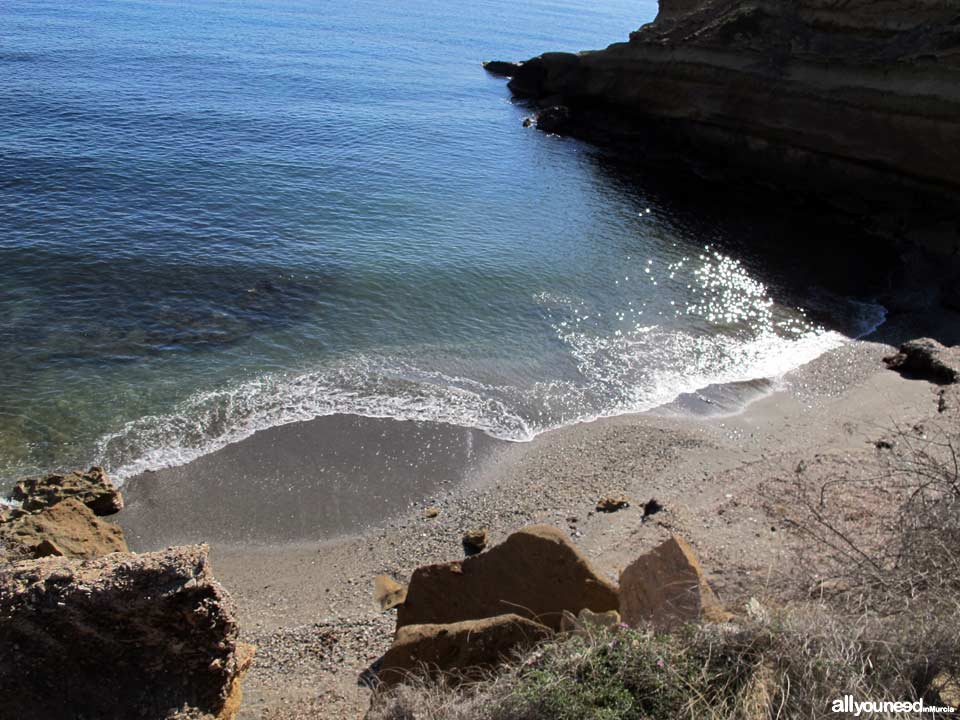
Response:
column 881, row 543
column 787, row 663
column 883, row 536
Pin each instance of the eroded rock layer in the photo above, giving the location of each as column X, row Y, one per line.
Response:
column 126, row 636
column 853, row 98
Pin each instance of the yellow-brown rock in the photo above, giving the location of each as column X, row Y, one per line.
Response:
column 388, row 593
column 93, row 487
column 666, row 588
column 536, row 573
column 462, row 650
column 69, row 529
column 120, row 637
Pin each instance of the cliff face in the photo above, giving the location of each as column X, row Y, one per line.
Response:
column 857, row 96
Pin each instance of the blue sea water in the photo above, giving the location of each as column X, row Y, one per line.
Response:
column 217, row 217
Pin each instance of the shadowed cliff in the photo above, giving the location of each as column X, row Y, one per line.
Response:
column 856, row 102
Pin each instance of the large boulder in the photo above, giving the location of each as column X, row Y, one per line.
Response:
column 69, row 529
column 536, row 573
column 666, row 588
column 93, row 487
column 126, row 636
column 461, row 651
column 927, row 359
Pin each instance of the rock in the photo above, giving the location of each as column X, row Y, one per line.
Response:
column 612, row 503
column 927, row 359
column 126, row 636
column 388, row 592
column 808, row 94
column 431, row 512
column 465, row 649
column 68, row 528
column 536, row 573
column 651, row 507
column 93, row 487
column 474, row 541
column 554, row 119
column 665, row 587
column 10, row 512
column 947, row 689
column 588, row 621
column 502, row 68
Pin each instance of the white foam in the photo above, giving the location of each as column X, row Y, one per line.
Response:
column 635, row 373
column 621, row 369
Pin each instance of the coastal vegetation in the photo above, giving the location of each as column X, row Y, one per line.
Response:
column 868, row 609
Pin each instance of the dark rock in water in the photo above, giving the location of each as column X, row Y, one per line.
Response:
column 554, row 119
column 536, row 573
column 68, row 529
column 92, row 487
column 501, row 68
column 458, row 651
column 927, row 359
column 127, row 636
column 856, row 103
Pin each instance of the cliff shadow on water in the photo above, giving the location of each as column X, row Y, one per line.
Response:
column 849, row 111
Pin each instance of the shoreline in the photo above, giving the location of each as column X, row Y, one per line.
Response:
column 704, row 470
column 345, row 465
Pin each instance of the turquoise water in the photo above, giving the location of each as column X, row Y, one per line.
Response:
column 224, row 216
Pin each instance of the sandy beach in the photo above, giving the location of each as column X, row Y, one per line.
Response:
column 301, row 518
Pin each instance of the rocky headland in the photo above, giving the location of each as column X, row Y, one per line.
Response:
column 854, row 104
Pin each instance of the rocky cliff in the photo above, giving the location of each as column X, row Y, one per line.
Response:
column 858, row 100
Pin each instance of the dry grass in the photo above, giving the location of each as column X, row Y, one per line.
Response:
column 885, row 539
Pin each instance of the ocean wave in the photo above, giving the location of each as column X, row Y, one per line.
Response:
column 618, row 373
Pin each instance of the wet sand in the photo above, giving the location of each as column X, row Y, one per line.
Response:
column 306, row 481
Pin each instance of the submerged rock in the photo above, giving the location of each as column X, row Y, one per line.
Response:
column 666, row 587
column 536, row 573
column 93, row 487
column 927, row 359
column 68, row 529
column 459, row 651
column 126, row 636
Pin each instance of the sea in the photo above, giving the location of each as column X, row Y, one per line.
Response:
column 223, row 216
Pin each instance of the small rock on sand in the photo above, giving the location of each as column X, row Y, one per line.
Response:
column 474, row 541
column 612, row 503
column 388, row 593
